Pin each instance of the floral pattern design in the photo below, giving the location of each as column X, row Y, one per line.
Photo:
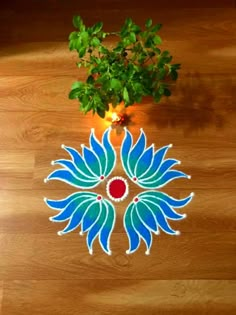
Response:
column 148, row 212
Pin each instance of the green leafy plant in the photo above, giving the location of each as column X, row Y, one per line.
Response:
column 134, row 68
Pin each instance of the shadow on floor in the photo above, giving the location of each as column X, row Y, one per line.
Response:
column 194, row 105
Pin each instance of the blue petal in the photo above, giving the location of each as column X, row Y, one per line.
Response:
column 141, row 229
column 90, row 216
column 74, row 170
column 137, row 151
column 167, row 164
column 164, row 167
column 99, row 151
column 166, row 209
column 79, row 162
column 156, row 162
column 110, row 152
column 168, row 199
column 125, row 150
column 160, row 218
column 134, row 239
column 166, row 178
column 67, row 177
column 61, row 204
column 95, row 229
column 146, row 215
column 73, row 206
column 144, row 162
column 76, row 218
column 92, row 161
column 104, row 236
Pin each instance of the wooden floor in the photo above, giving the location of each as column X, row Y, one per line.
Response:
column 42, row 273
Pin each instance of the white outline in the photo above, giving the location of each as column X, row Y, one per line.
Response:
column 126, row 169
column 143, row 238
column 66, row 148
column 133, row 147
column 136, row 165
column 141, row 184
column 192, row 194
column 156, row 172
column 167, row 147
column 182, row 215
column 90, row 248
column 68, row 224
column 60, row 162
column 92, row 135
column 112, row 149
column 84, row 147
column 167, row 223
column 108, row 204
column 126, row 188
column 154, row 217
column 79, row 193
column 82, row 222
column 128, row 251
column 70, row 217
column 105, row 204
column 47, row 179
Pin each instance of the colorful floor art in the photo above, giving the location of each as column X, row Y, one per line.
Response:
column 147, row 213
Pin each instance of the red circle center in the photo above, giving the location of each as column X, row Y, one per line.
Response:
column 117, row 188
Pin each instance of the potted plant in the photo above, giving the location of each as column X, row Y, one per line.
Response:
column 133, row 68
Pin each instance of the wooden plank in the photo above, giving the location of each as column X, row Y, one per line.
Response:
column 49, row 257
column 179, row 24
column 183, row 275
column 209, row 168
column 16, row 169
column 188, row 130
column 132, row 297
column 54, row 58
column 1, row 295
column 50, row 93
column 211, row 210
column 114, row 4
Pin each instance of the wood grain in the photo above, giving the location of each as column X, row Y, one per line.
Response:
column 118, row 4
column 38, row 93
column 46, row 256
column 211, row 210
column 42, row 273
column 106, row 296
column 16, row 167
column 55, row 59
column 211, row 24
column 1, row 295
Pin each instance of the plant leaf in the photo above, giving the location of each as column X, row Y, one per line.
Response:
column 77, row 22
column 76, row 85
column 126, row 95
column 95, row 42
column 101, row 112
column 157, row 40
column 132, row 37
column 148, row 23
column 156, row 27
column 73, row 35
column 74, row 93
column 97, row 27
column 167, row 92
column 115, row 84
column 82, row 52
column 174, row 74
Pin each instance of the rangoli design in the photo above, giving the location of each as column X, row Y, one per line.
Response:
column 148, row 212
